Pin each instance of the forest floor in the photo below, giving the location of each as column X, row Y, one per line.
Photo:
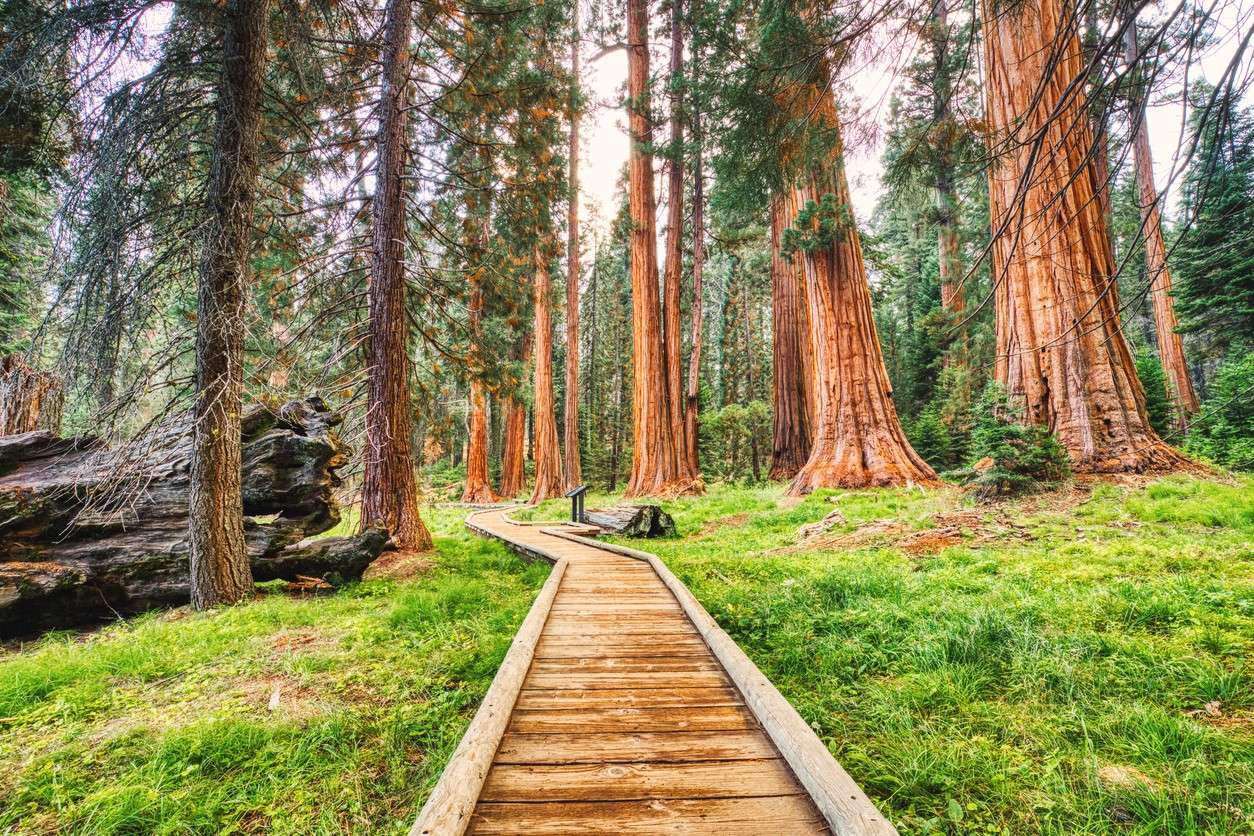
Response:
column 1072, row 662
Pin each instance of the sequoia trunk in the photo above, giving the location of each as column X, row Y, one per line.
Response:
column 790, row 326
column 1170, row 346
column 220, row 573
column 672, row 275
column 654, row 468
column 858, row 440
column 1060, row 350
column 548, row 458
column 389, row 494
column 692, row 406
column 570, row 416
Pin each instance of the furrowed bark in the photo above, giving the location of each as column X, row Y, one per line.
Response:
column 858, row 439
column 672, row 275
column 692, row 406
column 389, row 496
column 654, row 468
column 570, row 417
column 1060, row 350
column 793, row 365
column 1170, row 345
column 548, row 457
column 220, row 572
column 478, row 488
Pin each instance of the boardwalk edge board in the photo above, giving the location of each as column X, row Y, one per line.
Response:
column 842, row 802
column 448, row 809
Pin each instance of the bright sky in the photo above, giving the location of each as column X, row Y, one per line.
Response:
column 871, row 82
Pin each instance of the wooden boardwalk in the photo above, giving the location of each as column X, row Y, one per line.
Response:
column 614, row 714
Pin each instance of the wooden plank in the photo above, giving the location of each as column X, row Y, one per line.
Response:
column 629, row 781
column 631, row 664
column 651, row 747
column 626, row 720
column 626, row 698
column 588, row 627
column 781, row 815
column 642, row 650
column 628, row 679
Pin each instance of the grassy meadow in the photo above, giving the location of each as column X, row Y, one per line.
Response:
column 1071, row 662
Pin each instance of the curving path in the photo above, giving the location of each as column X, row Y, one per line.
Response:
column 622, row 708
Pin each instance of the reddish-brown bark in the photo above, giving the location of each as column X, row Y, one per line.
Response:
column 514, row 432
column 792, row 387
column 692, row 404
column 548, row 458
column 948, row 242
column 1060, row 351
column 672, row 274
column 858, row 440
column 389, row 494
column 655, row 468
column 570, row 417
column 1170, row 345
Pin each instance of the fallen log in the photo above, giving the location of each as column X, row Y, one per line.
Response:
column 88, row 533
column 632, row 521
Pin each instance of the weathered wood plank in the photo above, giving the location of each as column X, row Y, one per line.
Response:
column 650, row 747
column 781, row 815
column 626, row 698
column 626, row 720
column 628, row 664
column 630, row 781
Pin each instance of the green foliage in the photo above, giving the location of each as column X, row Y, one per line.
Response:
column 1009, row 456
column 817, row 225
column 736, row 441
column 1154, row 382
column 931, row 439
column 1215, row 256
column 1224, row 429
column 25, row 215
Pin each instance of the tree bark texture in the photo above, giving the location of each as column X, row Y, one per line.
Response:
column 1060, row 350
column 219, row 562
column 692, row 406
column 87, row 533
column 514, row 432
column 792, row 382
column 548, row 457
column 389, row 496
column 1170, row 345
column 570, row 416
column 29, row 399
column 858, row 439
column 672, row 274
column 655, row 469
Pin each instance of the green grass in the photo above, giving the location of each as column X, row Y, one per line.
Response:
column 162, row 724
column 1044, row 669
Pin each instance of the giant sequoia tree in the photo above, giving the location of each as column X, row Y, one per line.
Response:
column 655, row 467
column 220, row 572
column 1060, row 350
column 389, row 493
column 857, row 439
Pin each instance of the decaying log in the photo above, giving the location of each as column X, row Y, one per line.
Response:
column 632, row 521
column 29, row 399
column 88, row 533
